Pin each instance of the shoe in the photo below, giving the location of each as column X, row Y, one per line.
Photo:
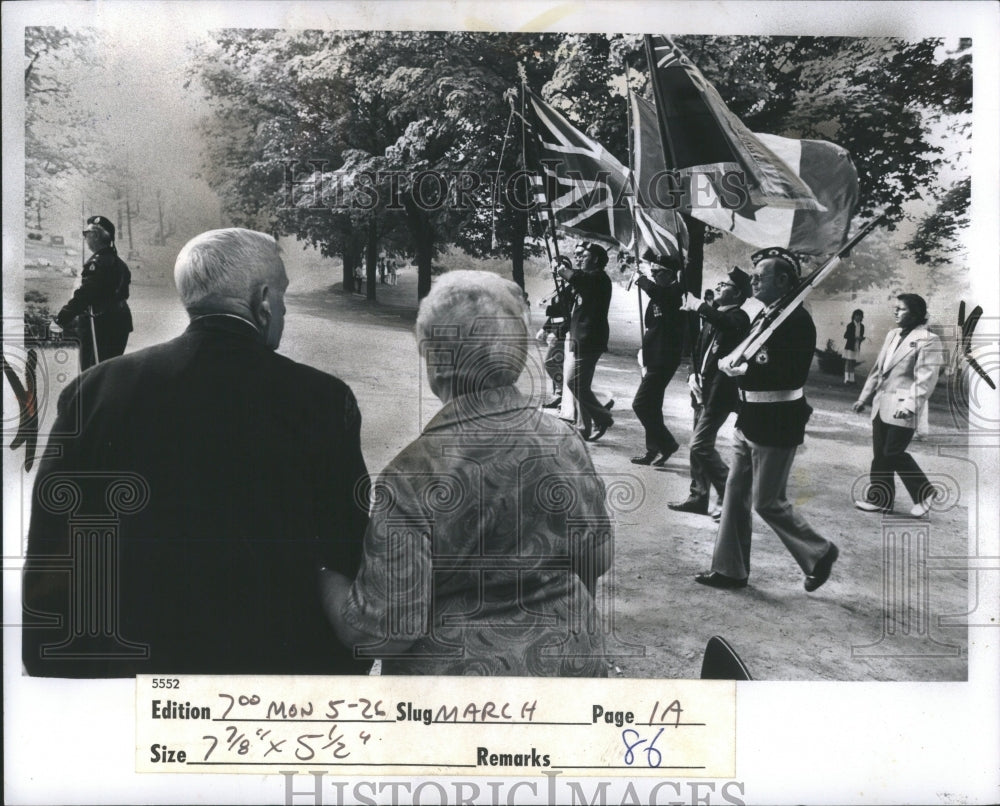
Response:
column 920, row 509
column 666, row 454
column 584, row 431
column 610, row 404
column 717, row 515
column 696, row 506
column 714, row 579
column 821, row 573
column 868, row 506
column 553, row 404
column 599, row 430
column 645, row 459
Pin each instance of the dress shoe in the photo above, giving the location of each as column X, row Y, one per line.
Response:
column 717, row 515
column 584, row 431
column 610, row 404
column 553, row 404
column 716, row 580
column 920, row 509
column 645, row 459
column 696, row 506
column 868, row 506
column 666, row 453
column 599, row 430
column 821, row 573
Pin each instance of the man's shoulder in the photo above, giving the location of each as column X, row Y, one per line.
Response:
column 800, row 321
column 163, row 357
column 308, row 376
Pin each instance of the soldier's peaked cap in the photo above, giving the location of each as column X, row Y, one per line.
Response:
column 100, row 224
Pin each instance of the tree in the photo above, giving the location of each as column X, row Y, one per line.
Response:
column 385, row 116
column 55, row 135
column 937, row 242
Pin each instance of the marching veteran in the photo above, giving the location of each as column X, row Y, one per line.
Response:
column 101, row 301
column 661, row 354
column 898, row 387
column 590, row 331
column 715, row 393
column 488, row 532
column 769, row 428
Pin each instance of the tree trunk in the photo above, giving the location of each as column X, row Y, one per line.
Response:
column 517, row 248
column 423, row 242
column 371, row 260
column 347, row 260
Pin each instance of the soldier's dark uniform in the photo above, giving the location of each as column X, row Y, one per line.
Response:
column 104, row 287
column 770, row 426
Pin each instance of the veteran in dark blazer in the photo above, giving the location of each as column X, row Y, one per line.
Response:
column 771, row 424
column 661, row 354
column 590, row 331
column 715, row 393
column 193, row 490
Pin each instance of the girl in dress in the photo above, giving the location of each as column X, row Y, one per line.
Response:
column 853, row 336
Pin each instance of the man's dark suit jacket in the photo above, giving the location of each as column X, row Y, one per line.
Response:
column 240, row 474
column 664, row 334
column 589, row 324
column 781, row 364
column 720, row 335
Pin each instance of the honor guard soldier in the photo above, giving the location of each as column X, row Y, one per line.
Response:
column 100, row 304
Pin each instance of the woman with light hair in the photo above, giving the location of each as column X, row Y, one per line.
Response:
column 487, row 533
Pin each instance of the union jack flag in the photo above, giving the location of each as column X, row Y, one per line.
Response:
column 588, row 191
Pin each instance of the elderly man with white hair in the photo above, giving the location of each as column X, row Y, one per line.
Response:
column 489, row 531
column 193, row 489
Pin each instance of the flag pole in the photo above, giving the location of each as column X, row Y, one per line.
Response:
column 635, row 204
column 568, row 410
column 779, row 310
column 551, row 249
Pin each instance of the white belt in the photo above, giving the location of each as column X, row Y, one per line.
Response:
column 776, row 396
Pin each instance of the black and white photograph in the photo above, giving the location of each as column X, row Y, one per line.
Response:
column 639, row 341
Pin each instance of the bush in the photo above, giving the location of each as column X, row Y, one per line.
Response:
column 37, row 317
column 830, row 361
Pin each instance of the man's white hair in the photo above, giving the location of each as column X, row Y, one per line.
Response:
column 225, row 264
column 476, row 322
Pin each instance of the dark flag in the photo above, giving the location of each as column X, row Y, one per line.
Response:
column 702, row 140
column 804, row 193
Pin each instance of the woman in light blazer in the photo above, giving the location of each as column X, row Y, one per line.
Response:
column 898, row 387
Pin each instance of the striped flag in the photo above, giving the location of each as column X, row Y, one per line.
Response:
column 799, row 194
column 587, row 189
column 828, row 170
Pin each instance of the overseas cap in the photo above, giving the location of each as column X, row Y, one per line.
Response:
column 741, row 280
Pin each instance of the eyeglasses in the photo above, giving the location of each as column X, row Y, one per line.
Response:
column 724, row 283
